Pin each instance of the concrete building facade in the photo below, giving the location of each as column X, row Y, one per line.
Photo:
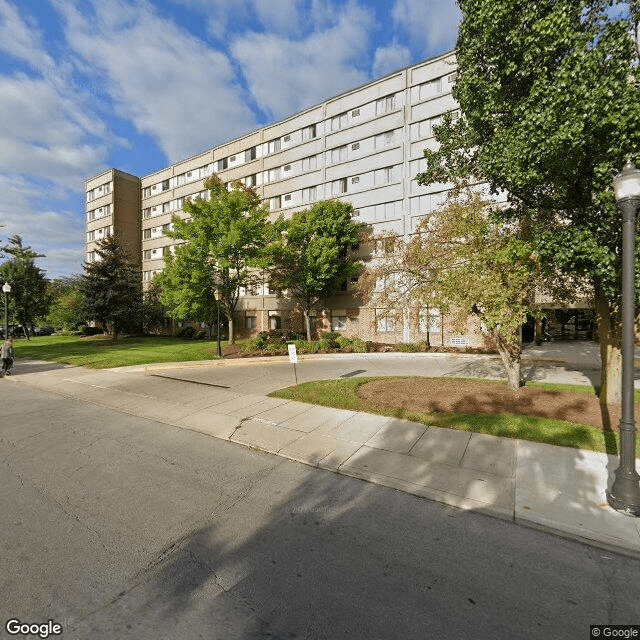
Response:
column 364, row 146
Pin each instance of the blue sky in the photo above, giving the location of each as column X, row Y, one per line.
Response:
column 86, row 85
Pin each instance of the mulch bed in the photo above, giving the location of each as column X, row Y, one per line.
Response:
column 455, row 396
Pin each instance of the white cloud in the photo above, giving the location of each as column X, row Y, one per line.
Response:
column 285, row 75
column 431, row 24
column 57, row 234
column 390, row 58
column 21, row 40
column 171, row 85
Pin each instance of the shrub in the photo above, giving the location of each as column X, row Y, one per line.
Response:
column 89, row 331
column 408, row 347
column 187, row 333
column 199, row 335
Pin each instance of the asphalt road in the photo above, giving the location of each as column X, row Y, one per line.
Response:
column 119, row 527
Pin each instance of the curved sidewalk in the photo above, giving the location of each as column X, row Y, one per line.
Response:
column 558, row 489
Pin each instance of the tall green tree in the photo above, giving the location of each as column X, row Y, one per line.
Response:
column 112, row 288
column 311, row 256
column 28, row 299
column 154, row 312
column 550, row 112
column 223, row 243
column 67, row 303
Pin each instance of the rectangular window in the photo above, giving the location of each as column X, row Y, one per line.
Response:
column 165, row 185
column 250, row 154
column 430, row 320
column 355, row 113
column 223, row 163
column 146, row 192
column 146, row 234
column 355, row 179
column 355, row 146
column 384, row 321
column 286, row 139
column 166, row 207
column 339, row 186
column 275, row 203
column 310, row 132
column 275, row 323
column 274, row 145
column 91, row 236
column 386, row 104
column 338, row 323
column 250, row 322
column 251, row 181
column 287, row 197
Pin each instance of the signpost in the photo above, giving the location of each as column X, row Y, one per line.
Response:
column 293, row 358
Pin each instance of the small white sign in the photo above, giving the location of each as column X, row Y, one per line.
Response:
column 293, row 354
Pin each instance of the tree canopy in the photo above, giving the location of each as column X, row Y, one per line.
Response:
column 550, row 112
column 224, row 240
column 462, row 262
column 311, row 255
column 67, row 307
column 111, row 286
column 28, row 298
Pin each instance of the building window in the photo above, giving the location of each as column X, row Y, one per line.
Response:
column 274, row 145
column 384, row 321
column 251, row 181
column 91, row 236
column 250, row 154
column 338, row 122
column 339, row 154
column 250, row 322
column 146, row 192
column 386, row 104
column 339, row 322
column 430, row 320
column 287, row 197
column 223, row 163
column 339, row 186
column 146, row 234
column 91, row 256
column 275, row 323
column 166, row 207
column 310, row 132
column 275, row 203
column 165, row 185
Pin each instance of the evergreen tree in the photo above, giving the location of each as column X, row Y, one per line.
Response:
column 112, row 290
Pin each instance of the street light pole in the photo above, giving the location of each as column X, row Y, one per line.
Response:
column 218, row 296
column 6, row 287
column 625, row 492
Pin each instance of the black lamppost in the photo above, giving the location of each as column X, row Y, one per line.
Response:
column 218, row 296
column 625, row 492
column 6, row 287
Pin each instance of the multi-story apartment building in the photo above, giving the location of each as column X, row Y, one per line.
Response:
column 364, row 146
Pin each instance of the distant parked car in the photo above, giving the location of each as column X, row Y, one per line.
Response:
column 43, row 331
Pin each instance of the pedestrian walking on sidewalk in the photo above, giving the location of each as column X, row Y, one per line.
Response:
column 6, row 353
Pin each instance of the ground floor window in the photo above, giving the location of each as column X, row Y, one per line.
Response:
column 275, row 323
column 385, row 321
column 250, row 322
column 338, row 320
column 430, row 320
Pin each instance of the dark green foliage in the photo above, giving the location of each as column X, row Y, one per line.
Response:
column 28, row 299
column 311, row 256
column 111, row 286
column 551, row 111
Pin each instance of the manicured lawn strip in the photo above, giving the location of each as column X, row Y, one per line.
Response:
column 98, row 352
column 342, row 394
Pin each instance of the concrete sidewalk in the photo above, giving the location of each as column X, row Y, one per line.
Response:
column 558, row 489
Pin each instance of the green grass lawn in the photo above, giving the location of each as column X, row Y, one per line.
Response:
column 343, row 394
column 98, row 352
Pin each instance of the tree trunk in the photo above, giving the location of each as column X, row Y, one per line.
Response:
column 232, row 337
column 510, row 352
column 609, row 328
column 307, row 324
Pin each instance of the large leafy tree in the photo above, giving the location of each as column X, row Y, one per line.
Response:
column 550, row 111
column 223, row 243
column 111, row 286
column 311, row 257
column 67, row 303
column 28, row 300
column 464, row 263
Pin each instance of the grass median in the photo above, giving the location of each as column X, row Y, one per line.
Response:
column 343, row 394
column 99, row 352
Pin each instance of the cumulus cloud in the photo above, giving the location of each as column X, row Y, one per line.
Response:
column 26, row 210
column 21, row 40
column 170, row 84
column 285, row 75
column 390, row 58
column 432, row 25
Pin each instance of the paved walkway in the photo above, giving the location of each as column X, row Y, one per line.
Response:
column 554, row 488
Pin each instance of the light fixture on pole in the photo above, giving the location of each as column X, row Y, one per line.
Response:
column 6, row 287
column 625, row 492
column 218, row 296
